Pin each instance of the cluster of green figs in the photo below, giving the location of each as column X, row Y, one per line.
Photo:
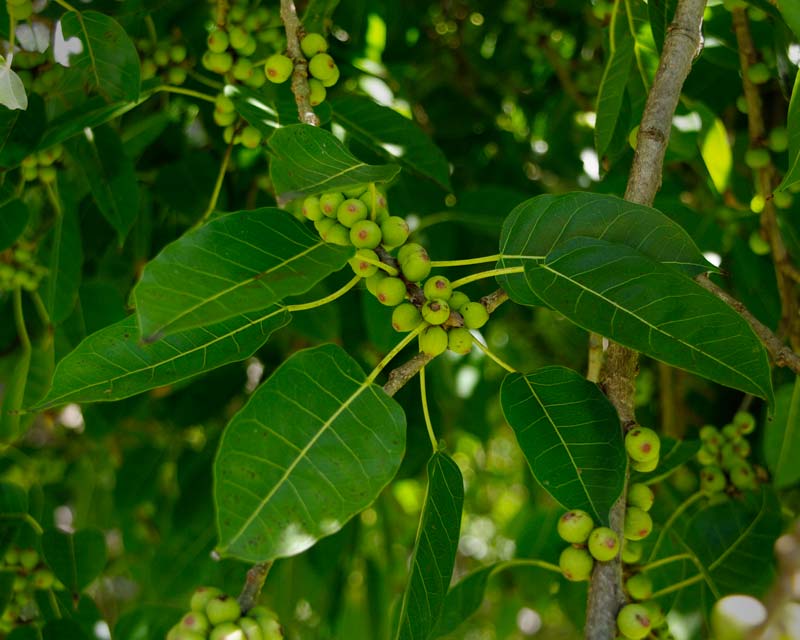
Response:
column 29, row 575
column 723, row 455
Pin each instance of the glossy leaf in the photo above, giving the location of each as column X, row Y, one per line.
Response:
column 790, row 11
column 108, row 60
column 782, row 437
column 315, row 445
column 310, row 160
column 434, row 550
column 463, row 599
column 570, row 435
column 75, row 558
column 388, row 132
column 615, row 77
column 114, row 363
column 674, row 454
column 792, row 175
column 533, row 229
column 14, row 216
column 620, row 293
column 111, row 176
column 240, row 262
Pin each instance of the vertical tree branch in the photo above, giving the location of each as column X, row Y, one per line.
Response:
column 618, row 375
column 300, row 88
column 256, row 576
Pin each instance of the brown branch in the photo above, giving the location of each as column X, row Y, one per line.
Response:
column 300, row 89
column 252, row 587
column 618, row 376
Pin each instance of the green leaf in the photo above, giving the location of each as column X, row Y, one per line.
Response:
column 75, row 558
column 793, row 126
column 615, row 78
column 315, row 445
column 14, row 217
column 731, row 538
column 434, row 550
column 782, row 437
column 64, row 630
column 661, row 14
column 790, row 11
column 463, row 599
column 239, row 262
column 715, row 149
column 13, row 395
column 310, row 160
column 388, row 132
column 12, row 91
column 111, row 176
column 531, row 231
column 674, row 454
column 620, row 293
column 109, row 60
column 20, row 132
column 318, row 15
column 570, row 435
column 114, row 363
column 13, row 501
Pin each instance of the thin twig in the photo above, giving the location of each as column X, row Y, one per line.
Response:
column 300, row 89
column 405, row 372
column 256, row 576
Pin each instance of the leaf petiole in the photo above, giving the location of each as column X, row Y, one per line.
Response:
column 397, row 349
column 425, row 412
column 494, row 357
column 323, row 301
column 485, row 274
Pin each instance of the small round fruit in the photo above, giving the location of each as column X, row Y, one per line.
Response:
column 251, row 137
column 632, row 551
column 407, row 250
column 758, row 73
column 242, row 69
column 312, row 44
column 329, row 203
column 712, row 479
column 251, row 629
column 184, row 634
column 226, row 631
column 741, row 448
column 28, row 558
column 459, row 340
column 705, row 456
column 576, row 564
column 222, row 609
column 219, row 62
column 391, row 291
column 709, row 432
column 436, row 311
column 406, row 317
column 734, row 617
column 223, row 104
column 374, row 280
column 475, row 315
column 355, row 192
column 640, row 495
column 395, row 230
column 351, row 211
column 322, row 67
column 278, row 68
column 316, row 92
column 633, row 621
column 176, row 75
column 756, row 158
column 437, row 287
column 642, row 444
column 333, row 79
column 730, row 431
column 324, row 225
column 743, row 477
column 195, row 621
column 374, row 199
column 575, row 526
column 177, row 53
column 603, row 544
column 47, row 174
column 457, row 300
column 11, row 556
column 433, row 341
column 224, row 119
column 239, row 38
column 640, row 587
column 744, row 422
column 364, row 263
column 638, row 523
column 311, row 209
column 655, row 612
column 365, row 234
column 416, row 267
column 778, row 140
column 783, row 199
column 43, row 579
column 270, row 628
column 337, row 234
column 218, row 41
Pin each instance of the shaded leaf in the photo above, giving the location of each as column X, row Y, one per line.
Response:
column 570, row 435
column 792, row 175
column 64, row 629
column 434, row 550
column 790, row 11
column 20, row 132
column 108, row 59
column 315, row 445
column 532, row 230
column 14, row 216
column 388, row 132
column 310, row 160
column 617, row 292
column 75, row 558
column 114, row 363
column 463, row 599
column 715, row 149
column 239, row 262
column 782, row 437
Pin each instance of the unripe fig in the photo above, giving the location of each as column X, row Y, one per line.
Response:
column 576, row 564
column 783, row 199
column 316, row 92
column 632, row 551
column 239, row 38
column 758, row 73
column 778, row 140
column 251, row 137
column 365, row 234
column 251, row 629
column 322, row 67
column 475, row 315
column 218, row 41
column 433, row 341
column 735, row 617
column 43, row 579
column 633, row 621
column 741, row 447
column 406, row 317
column 270, row 628
column 242, row 69
column 185, row 634
column 712, row 480
column 640, row 495
column 226, row 631
column 312, row 44
column 332, row 79
column 437, row 287
column 416, row 267
column 374, row 199
column 575, row 526
column 756, row 158
column 47, row 174
column 177, row 53
column 705, row 456
column 356, row 192
column 161, row 57
column 337, row 234
column 730, row 431
column 311, row 209
column 391, row 291
column 742, row 476
column 222, row 609
column 374, row 280
column 28, row 558
column 224, row 118
column 278, row 68
column 642, row 444
column 329, row 203
column 459, row 340
column 436, row 311
column 218, row 62
column 709, row 432
column 655, row 612
column 603, row 544
column 324, row 225
column 195, row 621
column 11, row 556
column 394, row 230
column 457, row 300
column 224, row 104
column 744, row 422
column 364, row 263
column 638, row 523
column 176, row 75
column 407, row 250
column 640, row 587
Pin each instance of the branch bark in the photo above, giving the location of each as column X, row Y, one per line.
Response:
column 256, row 576
column 300, row 89
column 618, row 374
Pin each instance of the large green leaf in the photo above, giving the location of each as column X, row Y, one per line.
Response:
column 111, row 176
column 114, row 363
column 240, row 262
column 434, row 550
column 463, row 599
column 790, row 11
column 316, row 444
column 782, row 437
column 14, row 216
column 616, row 291
column 532, row 229
column 387, row 132
column 570, row 435
column 793, row 126
column 76, row 558
column 615, row 77
column 310, row 160
column 108, row 59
